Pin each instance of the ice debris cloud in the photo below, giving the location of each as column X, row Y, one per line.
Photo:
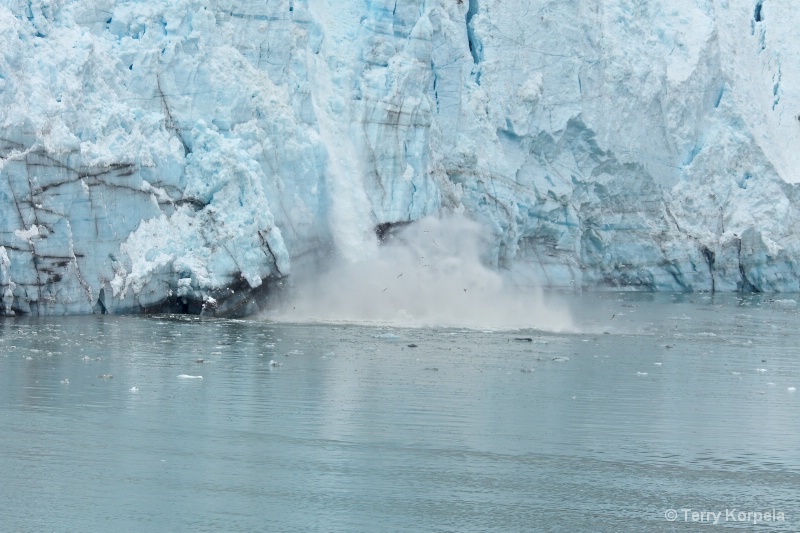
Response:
column 185, row 155
column 427, row 274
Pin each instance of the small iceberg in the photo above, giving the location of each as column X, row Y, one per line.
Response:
column 187, row 376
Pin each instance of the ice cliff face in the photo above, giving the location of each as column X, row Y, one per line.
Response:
column 188, row 153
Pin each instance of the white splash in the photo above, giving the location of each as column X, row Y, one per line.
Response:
column 428, row 274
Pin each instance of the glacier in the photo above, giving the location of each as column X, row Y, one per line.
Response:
column 190, row 155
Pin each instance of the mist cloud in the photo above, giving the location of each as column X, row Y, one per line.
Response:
column 429, row 273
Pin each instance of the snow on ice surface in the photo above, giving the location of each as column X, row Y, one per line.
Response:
column 198, row 150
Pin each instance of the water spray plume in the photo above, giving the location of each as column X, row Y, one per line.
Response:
column 429, row 273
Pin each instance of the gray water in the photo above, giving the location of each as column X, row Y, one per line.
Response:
column 354, row 430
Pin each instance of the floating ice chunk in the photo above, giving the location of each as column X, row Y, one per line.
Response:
column 134, row 389
column 791, row 389
column 560, row 359
column 272, row 362
column 65, row 381
column 657, row 364
column 187, row 376
column 641, row 373
column 761, row 369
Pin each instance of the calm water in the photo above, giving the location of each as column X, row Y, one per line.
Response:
column 663, row 402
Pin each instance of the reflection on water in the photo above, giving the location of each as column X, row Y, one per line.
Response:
column 665, row 402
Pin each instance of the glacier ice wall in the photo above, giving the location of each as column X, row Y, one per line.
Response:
column 190, row 153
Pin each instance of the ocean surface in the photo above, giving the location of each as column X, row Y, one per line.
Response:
column 651, row 408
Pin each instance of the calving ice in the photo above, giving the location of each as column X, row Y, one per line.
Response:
column 162, row 155
column 729, row 515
